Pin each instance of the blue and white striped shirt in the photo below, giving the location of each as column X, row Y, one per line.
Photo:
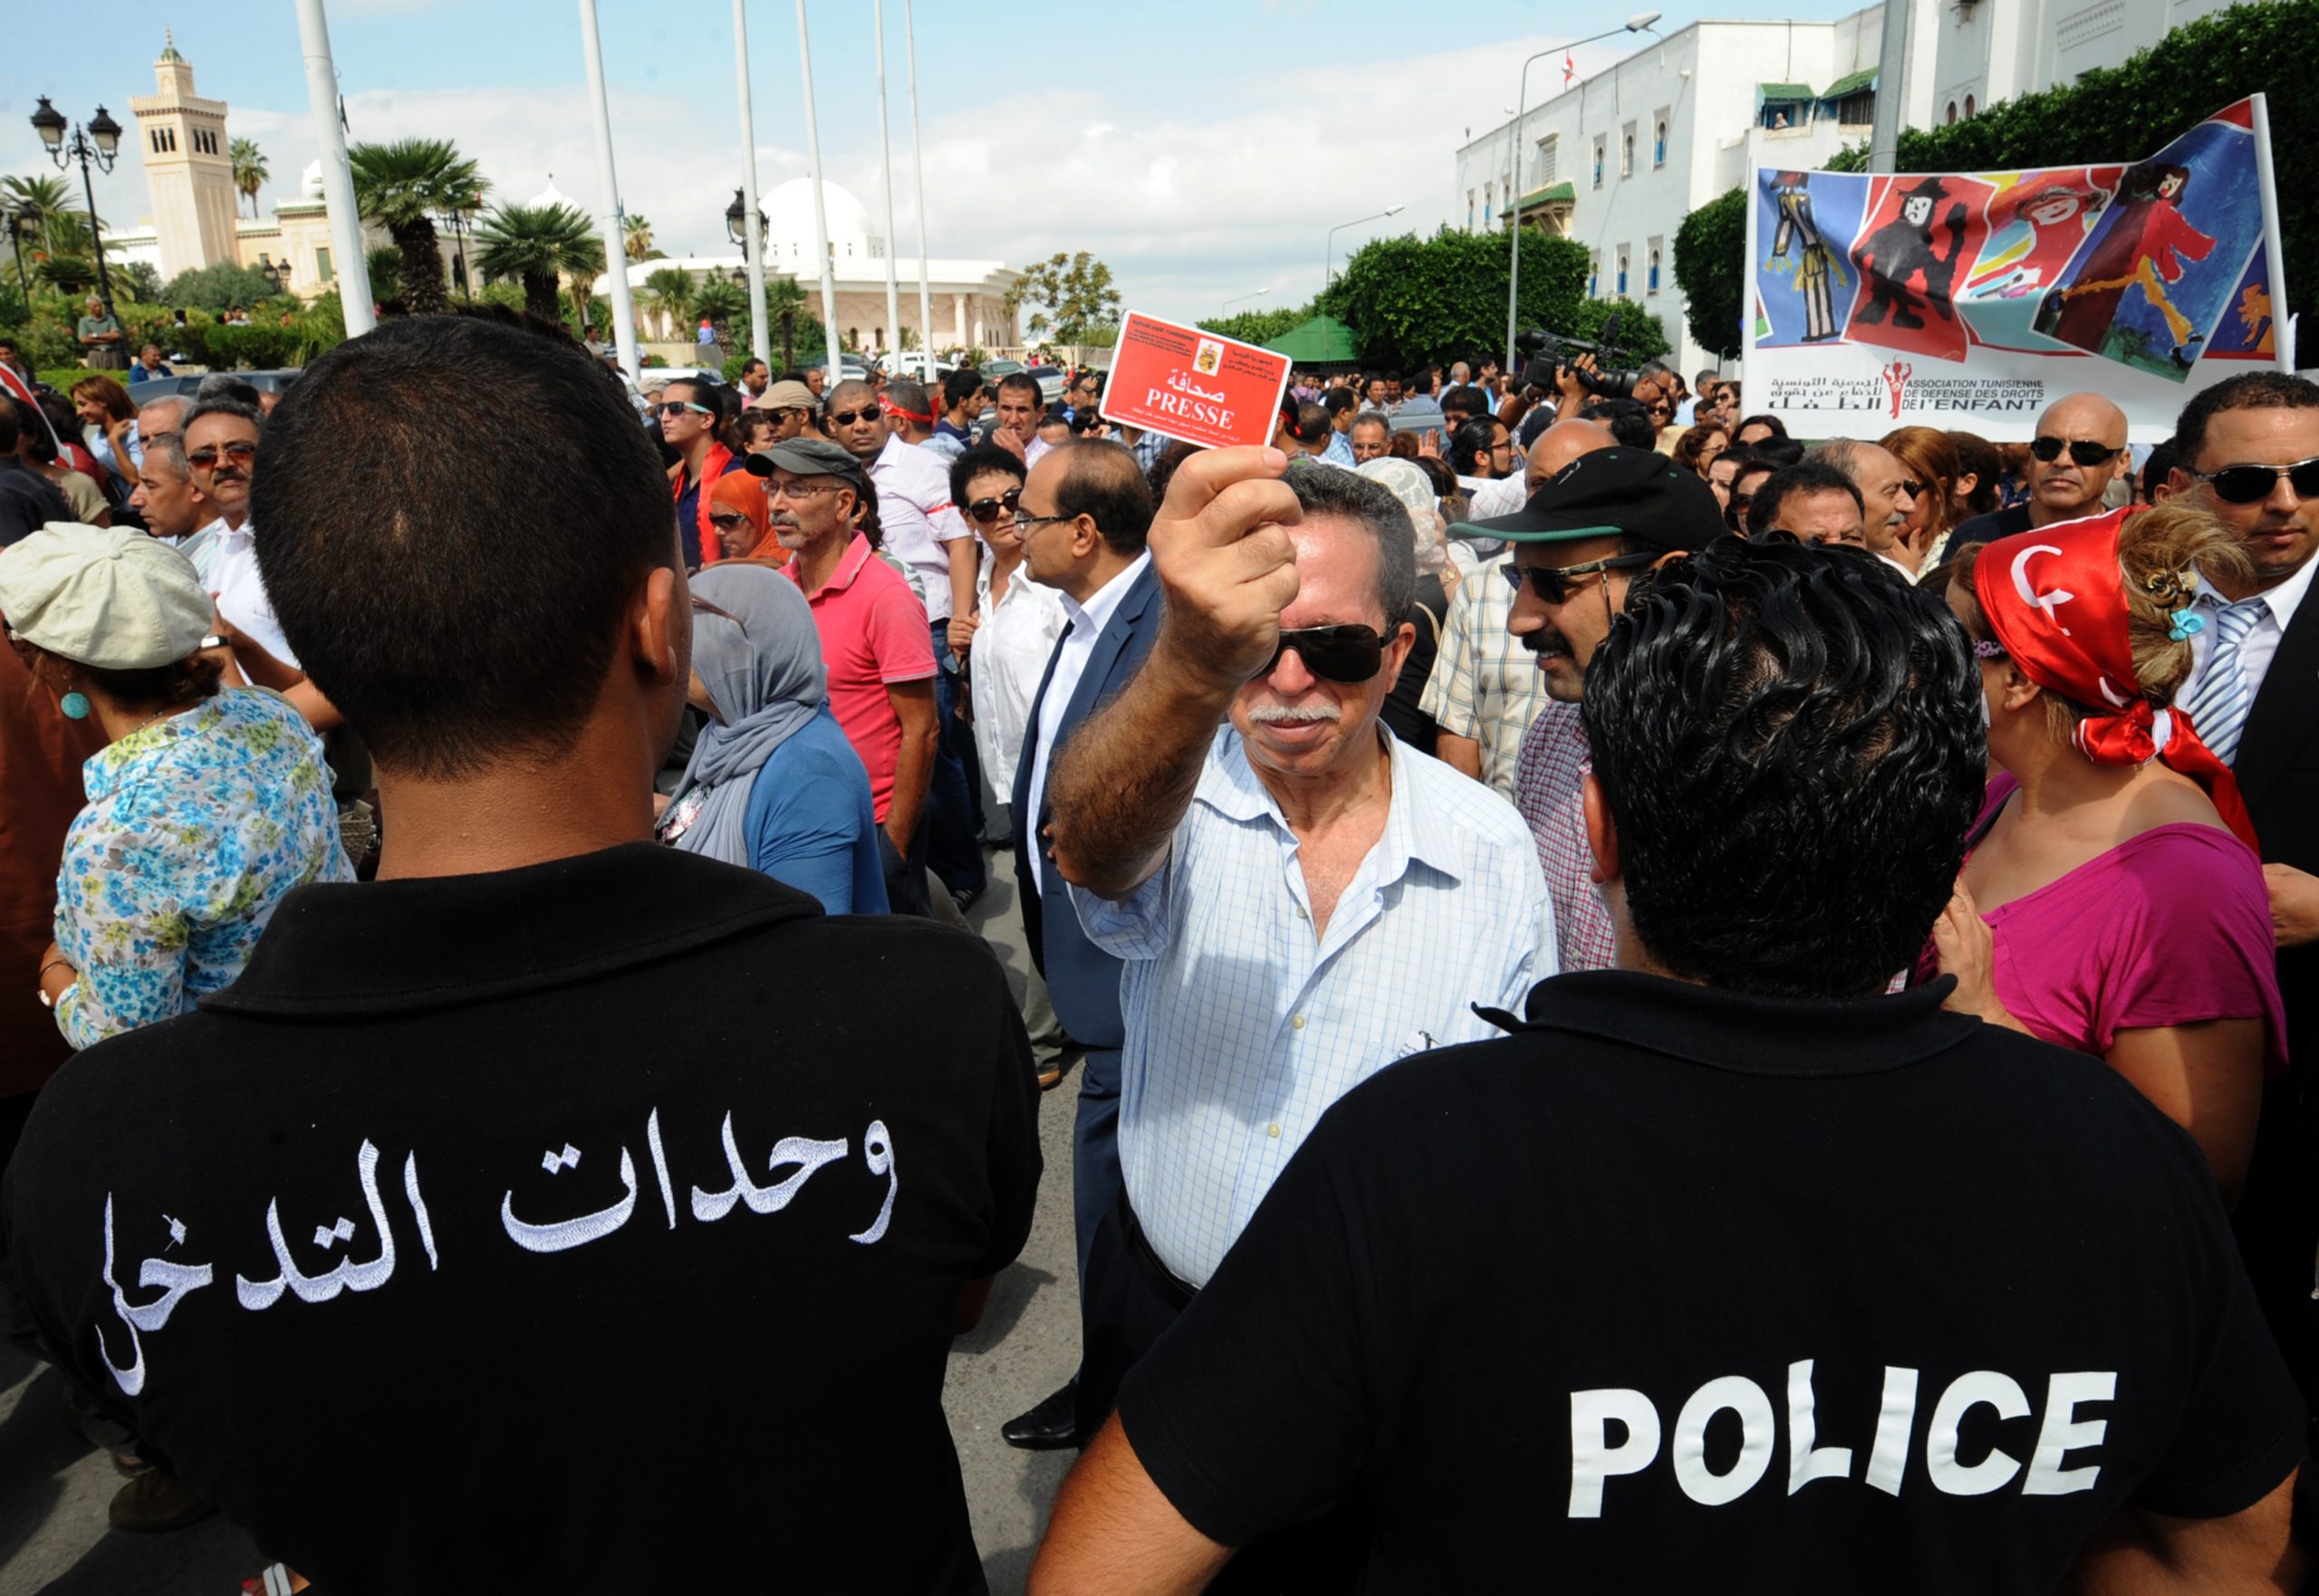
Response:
column 1242, row 1028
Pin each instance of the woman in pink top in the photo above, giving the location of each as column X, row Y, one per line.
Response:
column 2111, row 901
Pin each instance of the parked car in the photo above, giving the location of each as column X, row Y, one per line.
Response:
column 1051, row 380
column 920, row 366
column 183, row 385
column 992, row 370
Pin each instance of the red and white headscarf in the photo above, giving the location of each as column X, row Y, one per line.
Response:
column 2056, row 597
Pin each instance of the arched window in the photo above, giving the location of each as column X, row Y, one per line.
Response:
column 1626, row 155
column 1659, row 146
column 1622, row 273
column 1593, row 275
column 1598, row 163
column 1651, row 283
column 1969, row 105
column 1952, row 113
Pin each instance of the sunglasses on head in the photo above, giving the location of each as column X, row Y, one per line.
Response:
column 205, row 457
column 2251, row 485
column 1551, row 582
column 1350, row 654
column 848, row 417
column 983, row 512
column 2083, row 451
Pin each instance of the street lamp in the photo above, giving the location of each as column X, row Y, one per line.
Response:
column 99, row 144
column 737, row 218
column 1642, row 21
column 1245, row 298
column 1328, row 256
column 274, row 275
column 18, row 224
column 457, row 222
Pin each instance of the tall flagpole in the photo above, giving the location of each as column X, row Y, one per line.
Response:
column 917, row 157
column 821, row 207
column 886, row 164
column 751, row 235
column 615, row 222
column 353, row 271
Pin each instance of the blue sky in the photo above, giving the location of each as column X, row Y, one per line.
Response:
column 1202, row 148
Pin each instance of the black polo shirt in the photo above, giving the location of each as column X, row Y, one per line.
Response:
column 28, row 501
column 1988, row 528
column 597, row 1225
column 1679, row 1291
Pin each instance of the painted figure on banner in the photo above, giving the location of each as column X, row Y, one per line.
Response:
column 2037, row 222
column 2248, row 330
column 1908, row 264
column 2148, row 249
column 1813, row 262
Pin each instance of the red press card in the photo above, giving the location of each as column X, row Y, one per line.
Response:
column 1193, row 385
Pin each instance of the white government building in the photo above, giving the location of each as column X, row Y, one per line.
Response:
column 970, row 297
column 1617, row 161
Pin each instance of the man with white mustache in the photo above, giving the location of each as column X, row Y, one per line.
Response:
column 1300, row 900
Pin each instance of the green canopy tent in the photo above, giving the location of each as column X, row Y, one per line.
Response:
column 1322, row 343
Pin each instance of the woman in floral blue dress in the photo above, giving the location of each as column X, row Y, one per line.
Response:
column 208, row 805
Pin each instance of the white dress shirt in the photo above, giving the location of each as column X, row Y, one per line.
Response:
column 232, row 578
column 920, row 522
column 2262, row 640
column 1242, row 1027
column 1501, row 496
column 1011, row 650
column 1087, row 623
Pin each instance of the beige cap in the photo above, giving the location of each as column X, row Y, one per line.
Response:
column 791, row 395
column 113, row 597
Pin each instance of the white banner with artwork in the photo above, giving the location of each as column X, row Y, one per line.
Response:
column 1972, row 300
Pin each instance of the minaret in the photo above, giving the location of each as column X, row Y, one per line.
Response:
column 187, row 171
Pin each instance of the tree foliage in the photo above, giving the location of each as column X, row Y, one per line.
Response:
column 2130, row 112
column 1711, row 269
column 1259, row 326
column 385, row 263
column 138, row 280
column 404, row 187
column 1413, row 300
column 1642, row 336
column 538, row 245
column 59, row 225
column 217, row 288
column 250, row 171
column 1073, row 296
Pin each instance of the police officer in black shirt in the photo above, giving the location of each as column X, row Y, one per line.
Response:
column 1727, row 1271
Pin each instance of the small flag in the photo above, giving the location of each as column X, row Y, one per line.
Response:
column 1568, row 69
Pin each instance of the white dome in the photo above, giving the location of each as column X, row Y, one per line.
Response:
column 550, row 195
column 310, row 182
column 789, row 225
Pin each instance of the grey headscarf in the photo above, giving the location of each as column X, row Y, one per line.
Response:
column 1414, row 489
column 766, row 677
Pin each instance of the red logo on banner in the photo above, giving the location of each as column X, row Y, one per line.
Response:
column 1193, row 385
column 1896, row 378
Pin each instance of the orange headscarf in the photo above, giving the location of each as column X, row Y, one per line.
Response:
column 739, row 491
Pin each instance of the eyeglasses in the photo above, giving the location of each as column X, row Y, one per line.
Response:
column 206, row 457
column 983, row 512
column 2083, row 451
column 2251, row 485
column 799, row 490
column 1025, row 523
column 848, row 417
column 1551, row 582
column 678, row 407
column 1349, row 654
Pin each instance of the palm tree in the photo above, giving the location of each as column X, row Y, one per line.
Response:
column 719, row 300
column 669, row 292
column 57, row 220
column 249, row 170
column 636, row 239
column 386, row 273
column 536, row 244
column 403, row 186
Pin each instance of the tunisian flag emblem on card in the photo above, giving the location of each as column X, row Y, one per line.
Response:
column 1193, row 385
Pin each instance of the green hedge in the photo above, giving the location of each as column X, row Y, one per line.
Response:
column 2128, row 112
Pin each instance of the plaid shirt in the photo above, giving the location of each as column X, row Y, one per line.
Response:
column 1549, row 792
column 1485, row 684
column 1147, row 447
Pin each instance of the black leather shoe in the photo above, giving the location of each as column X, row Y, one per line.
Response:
column 1048, row 1427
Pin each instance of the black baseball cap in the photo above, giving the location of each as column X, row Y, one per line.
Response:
column 806, row 456
column 1613, row 493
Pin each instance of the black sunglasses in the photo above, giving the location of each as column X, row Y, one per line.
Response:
column 2251, row 485
column 848, row 417
column 1348, row 654
column 1551, row 582
column 986, row 511
column 2083, row 451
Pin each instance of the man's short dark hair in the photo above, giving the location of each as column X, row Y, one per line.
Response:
column 906, row 395
column 1779, row 451
column 219, row 385
column 1100, row 479
column 221, row 406
column 1021, row 383
column 1470, row 445
column 1802, row 478
column 752, row 364
column 1469, row 399
column 1338, row 400
column 457, row 590
column 1779, row 427
column 1629, row 421
column 2252, row 390
column 960, row 386
column 1790, row 746
column 1331, row 490
column 979, row 460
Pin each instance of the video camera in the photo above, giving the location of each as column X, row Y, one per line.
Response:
column 1547, row 355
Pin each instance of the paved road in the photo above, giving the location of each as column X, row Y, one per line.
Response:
column 54, row 1487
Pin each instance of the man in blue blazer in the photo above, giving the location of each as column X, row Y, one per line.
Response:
column 1085, row 511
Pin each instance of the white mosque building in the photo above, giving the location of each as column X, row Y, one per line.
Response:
column 968, row 297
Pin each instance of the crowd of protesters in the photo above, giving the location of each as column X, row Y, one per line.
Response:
column 1607, row 953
